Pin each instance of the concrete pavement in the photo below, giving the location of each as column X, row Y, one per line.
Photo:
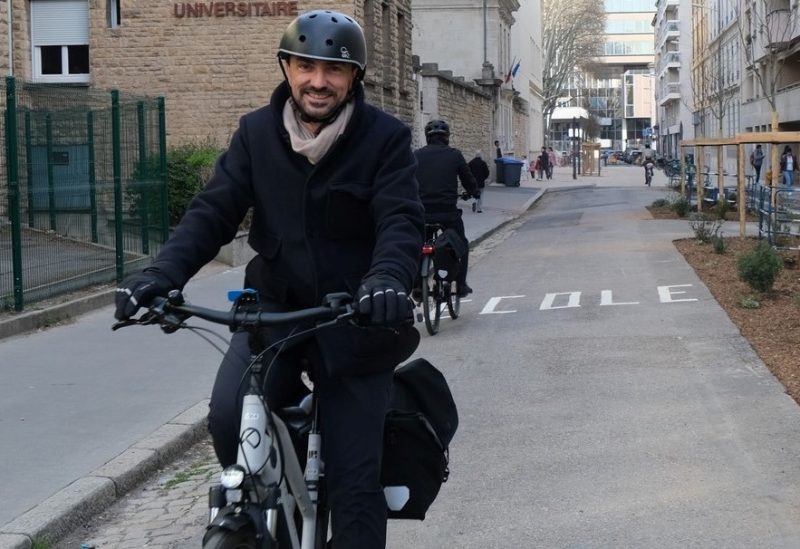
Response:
column 66, row 496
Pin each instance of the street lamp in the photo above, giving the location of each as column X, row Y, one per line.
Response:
column 573, row 138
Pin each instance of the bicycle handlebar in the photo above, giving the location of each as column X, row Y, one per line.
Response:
column 170, row 313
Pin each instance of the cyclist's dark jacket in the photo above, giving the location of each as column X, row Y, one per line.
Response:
column 437, row 167
column 316, row 228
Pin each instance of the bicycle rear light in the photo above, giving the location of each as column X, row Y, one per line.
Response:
column 427, row 249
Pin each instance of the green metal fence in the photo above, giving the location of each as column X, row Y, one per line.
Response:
column 86, row 196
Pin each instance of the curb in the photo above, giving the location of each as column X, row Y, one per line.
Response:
column 34, row 320
column 70, row 507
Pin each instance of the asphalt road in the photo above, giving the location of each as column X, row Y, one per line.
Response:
column 606, row 399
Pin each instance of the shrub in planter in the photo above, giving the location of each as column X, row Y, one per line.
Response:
column 760, row 267
column 680, row 206
column 188, row 169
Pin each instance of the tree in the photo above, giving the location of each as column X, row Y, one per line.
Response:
column 570, row 40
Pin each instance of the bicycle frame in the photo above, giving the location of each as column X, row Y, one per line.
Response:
column 268, row 476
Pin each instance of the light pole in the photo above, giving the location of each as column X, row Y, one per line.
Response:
column 574, row 156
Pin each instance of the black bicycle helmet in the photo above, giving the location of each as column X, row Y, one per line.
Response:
column 435, row 127
column 326, row 35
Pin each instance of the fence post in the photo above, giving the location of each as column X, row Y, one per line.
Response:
column 162, row 157
column 51, row 189
column 116, row 155
column 144, row 176
column 92, row 174
column 29, row 167
column 13, row 191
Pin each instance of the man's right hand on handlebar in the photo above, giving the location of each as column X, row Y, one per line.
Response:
column 138, row 290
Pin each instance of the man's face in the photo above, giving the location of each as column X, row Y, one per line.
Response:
column 319, row 87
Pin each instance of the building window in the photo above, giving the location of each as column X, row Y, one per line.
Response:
column 112, row 11
column 60, row 41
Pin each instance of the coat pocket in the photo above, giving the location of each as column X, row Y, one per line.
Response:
column 347, row 211
column 261, row 272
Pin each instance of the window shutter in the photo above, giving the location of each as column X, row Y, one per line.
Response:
column 60, row 22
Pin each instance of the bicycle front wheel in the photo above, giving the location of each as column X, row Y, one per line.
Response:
column 453, row 301
column 226, row 539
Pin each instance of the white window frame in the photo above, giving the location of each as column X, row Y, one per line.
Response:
column 38, row 41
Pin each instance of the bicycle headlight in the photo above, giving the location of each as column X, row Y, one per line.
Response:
column 232, row 477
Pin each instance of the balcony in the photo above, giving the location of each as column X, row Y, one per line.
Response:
column 671, row 30
column 667, row 61
column 671, row 91
column 779, row 29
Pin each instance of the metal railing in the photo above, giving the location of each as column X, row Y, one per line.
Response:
column 86, row 195
column 779, row 216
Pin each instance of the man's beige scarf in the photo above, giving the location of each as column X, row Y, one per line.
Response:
column 306, row 143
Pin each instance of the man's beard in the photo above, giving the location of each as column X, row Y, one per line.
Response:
column 327, row 118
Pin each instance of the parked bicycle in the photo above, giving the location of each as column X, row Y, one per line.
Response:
column 437, row 286
column 265, row 500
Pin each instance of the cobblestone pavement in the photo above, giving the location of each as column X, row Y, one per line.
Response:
column 167, row 512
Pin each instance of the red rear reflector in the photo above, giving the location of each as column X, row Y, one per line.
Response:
column 427, row 250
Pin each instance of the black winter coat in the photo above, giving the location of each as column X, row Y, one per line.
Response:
column 439, row 169
column 480, row 170
column 316, row 228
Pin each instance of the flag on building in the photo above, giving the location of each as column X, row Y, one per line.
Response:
column 512, row 70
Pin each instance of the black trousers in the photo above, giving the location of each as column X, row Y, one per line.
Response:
column 353, row 411
column 452, row 220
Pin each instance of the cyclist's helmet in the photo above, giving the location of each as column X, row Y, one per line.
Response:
column 326, row 35
column 437, row 127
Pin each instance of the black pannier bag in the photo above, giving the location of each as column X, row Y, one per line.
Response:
column 450, row 249
column 420, row 424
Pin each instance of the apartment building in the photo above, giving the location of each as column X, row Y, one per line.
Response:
column 673, row 82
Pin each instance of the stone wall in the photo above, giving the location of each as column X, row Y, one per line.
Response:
column 466, row 107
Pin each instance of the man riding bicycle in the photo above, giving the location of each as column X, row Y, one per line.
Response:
column 439, row 169
column 336, row 208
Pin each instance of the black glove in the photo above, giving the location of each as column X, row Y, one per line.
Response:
column 383, row 299
column 138, row 290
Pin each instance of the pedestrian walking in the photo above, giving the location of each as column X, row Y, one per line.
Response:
column 788, row 166
column 498, row 153
column 756, row 161
column 480, row 170
column 553, row 160
column 544, row 164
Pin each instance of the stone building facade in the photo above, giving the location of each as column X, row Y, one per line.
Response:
column 466, row 107
column 212, row 61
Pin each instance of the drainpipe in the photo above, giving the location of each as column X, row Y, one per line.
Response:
column 484, row 30
column 10, row 40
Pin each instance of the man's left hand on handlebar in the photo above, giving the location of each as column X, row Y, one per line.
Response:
column 383, row 300
column 138, row 290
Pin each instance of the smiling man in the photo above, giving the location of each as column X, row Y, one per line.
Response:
column 336, row 208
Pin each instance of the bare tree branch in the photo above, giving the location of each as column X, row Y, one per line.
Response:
column 571, row 37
